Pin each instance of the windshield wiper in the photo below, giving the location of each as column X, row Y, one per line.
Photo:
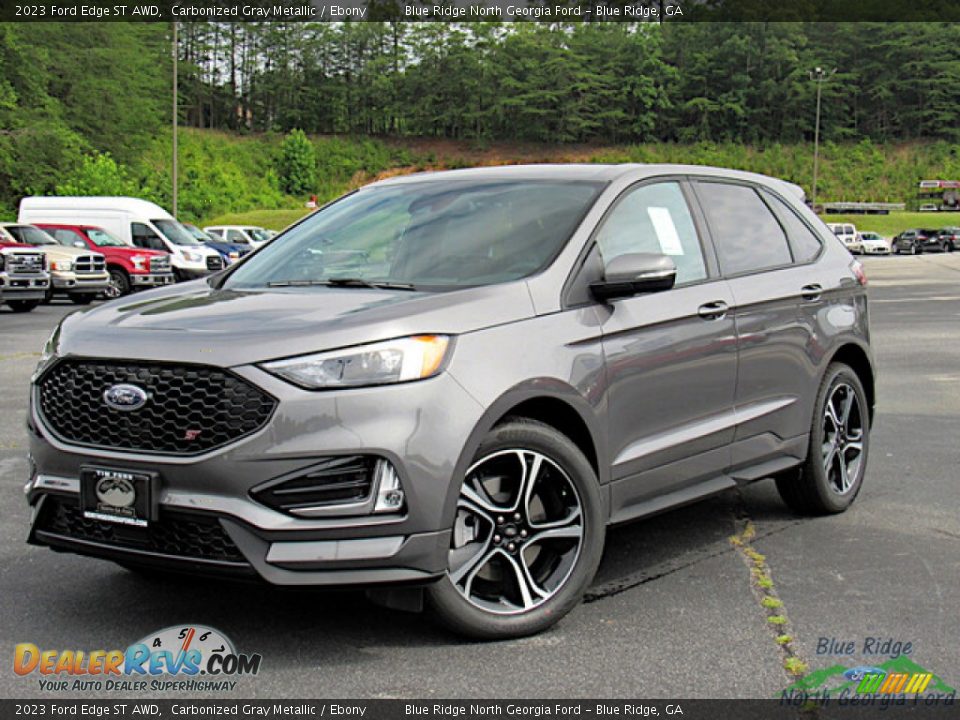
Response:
column 342, row 282
column 360, row 282
column 296, row 283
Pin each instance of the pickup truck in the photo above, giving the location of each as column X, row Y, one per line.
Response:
column 79, row 274
column 130, row 268
column 24, row 279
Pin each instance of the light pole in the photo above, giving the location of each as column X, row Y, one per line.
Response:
column 818, row 74
column 175, row 113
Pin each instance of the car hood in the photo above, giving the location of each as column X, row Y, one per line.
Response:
column 63, row 252
column 128, row 252
column 193, row 322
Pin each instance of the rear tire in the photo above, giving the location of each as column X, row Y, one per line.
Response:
column 832, row 475
column 528, row 535
column 22, row 306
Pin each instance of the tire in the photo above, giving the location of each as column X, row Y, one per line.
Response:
column 48, row 296
column 82, row 299
column 896, row 249
column 482, row 594
column 22, row 306
column 119, row 284
column 825, row 484
column 948, row 247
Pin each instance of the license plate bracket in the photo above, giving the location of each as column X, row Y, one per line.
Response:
column 117, row 495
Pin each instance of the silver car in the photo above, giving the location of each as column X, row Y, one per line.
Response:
column 445, row 386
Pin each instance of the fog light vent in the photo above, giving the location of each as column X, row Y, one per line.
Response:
column 336, row 481
column 389, row 492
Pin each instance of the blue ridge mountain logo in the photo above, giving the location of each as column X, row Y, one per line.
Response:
column 897, row 681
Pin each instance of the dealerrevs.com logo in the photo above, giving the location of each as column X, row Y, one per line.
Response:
column 182, row 658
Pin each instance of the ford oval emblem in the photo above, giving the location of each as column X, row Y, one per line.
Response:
column 125, row 397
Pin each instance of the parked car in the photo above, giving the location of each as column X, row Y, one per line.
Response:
column 872, row 243
column 523, row 356
column 79, row 274
column 949, row 238
column 848, row 235
column 230, row 252
column 136, row 222
column 917, row 241
column 24, row 280
column 243, row 234
column 129, row 268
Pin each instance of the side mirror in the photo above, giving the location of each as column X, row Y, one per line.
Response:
column 635, row 273
column 80, row 244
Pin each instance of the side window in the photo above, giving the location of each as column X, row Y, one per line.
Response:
column 654, row 219
column 215, row 233
column 235, row 236
column 748, row 237
column 67, row 237
column 803, row 241
column 145, row 237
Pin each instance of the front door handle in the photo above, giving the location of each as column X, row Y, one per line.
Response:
column 716, row 310
column 811, row 293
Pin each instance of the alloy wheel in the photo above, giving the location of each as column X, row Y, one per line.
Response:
column 518, row 533
column 843, row 438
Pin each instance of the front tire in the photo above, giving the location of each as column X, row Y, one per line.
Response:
column 830, row 479
column 527, row 537
column 81, row 299
column 23, row 306
column 119, row 284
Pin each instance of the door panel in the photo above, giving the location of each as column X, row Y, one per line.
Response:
column 670, row 356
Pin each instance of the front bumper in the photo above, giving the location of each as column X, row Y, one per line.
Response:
column 23, row 287
column 192, row 273
column 79, row 284
column 875, row 250
column 421, row 428
column 151, row 280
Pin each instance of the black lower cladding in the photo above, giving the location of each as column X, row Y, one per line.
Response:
column 178, row 535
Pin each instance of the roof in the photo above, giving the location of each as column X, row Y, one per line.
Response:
column 144, row 208
column 587, row 172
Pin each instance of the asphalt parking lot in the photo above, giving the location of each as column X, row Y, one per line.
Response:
column 673, row 613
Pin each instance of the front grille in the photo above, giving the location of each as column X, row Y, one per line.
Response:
column 89, row 264
column 160, row 264
column 24, row 263
column 177, row 534
column 214, row 262
column 335, row 481
column 190, row 409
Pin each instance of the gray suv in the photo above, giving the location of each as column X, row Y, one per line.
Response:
column 445, row 386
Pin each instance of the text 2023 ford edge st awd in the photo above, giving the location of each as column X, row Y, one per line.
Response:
column 457, row 381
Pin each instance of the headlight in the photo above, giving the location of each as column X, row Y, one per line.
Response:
column 382, row 363
column 63, row 265
column 139, row 262
column 49, row 352
column 191, row 256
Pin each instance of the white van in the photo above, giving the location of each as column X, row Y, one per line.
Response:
column 137, row 222
column 847, row 234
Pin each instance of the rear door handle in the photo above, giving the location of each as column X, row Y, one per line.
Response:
column 811, row 293
column 716, row 310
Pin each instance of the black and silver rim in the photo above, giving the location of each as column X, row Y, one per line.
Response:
column 113, row 289
column 518, row 533
column 843, row 437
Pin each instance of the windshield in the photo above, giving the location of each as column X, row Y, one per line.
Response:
column 175, row 232
column 29, row 235
column 101, row 238
column 431, row 235
column 197, row 232
column 258, row 234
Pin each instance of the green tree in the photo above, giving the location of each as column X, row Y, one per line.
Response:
column 98, row 174
column 298, row 164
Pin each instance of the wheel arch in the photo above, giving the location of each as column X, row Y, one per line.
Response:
column 858, row 359
column 561, row 407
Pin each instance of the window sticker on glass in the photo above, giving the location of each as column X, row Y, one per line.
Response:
column 666, row 230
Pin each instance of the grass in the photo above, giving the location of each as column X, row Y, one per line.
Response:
column 896, row 222
column 270, row 219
